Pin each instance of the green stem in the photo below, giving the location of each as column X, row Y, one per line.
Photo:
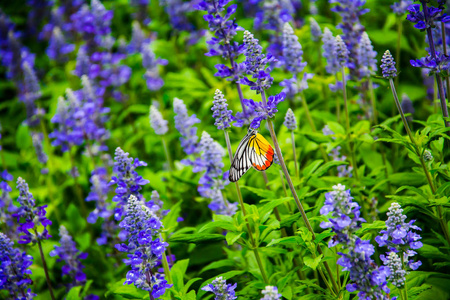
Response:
column 294, row 153
column 299, row 204
column 244, row 212
column 417, row 151
column 347, row 124
column 78, row 187
column 166, row 151
column 44, row 264
column 338, row 103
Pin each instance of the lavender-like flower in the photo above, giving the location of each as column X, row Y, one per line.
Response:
column 316, row 32
column 128, row 181
column 292, row 51
column 138, row 38
column 14, row 272
column 221, row 113
column 263, row 110
column 289, row 120
column 221, row 289
column 255, row 64
column 388, row 65
column 6, row 204
column 177, row 11
column 99, row 193
column 366, row 56
column 400, row 236
column 30, row 217
column 417, row 16
column 71, row 256
column 37, row 139
column 145, row 247
column 184, row 124
column 397, row 274
column 157, row 121
column 366, row 276
column 400, row 8
column 58, row 48
column 330, row 52
column 271, row 293
column 213, row 179
column 151, row 65
column 342, row 52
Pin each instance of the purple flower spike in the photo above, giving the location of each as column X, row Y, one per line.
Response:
column 221, row 289
column 388, row 65
column 330, row 52
column 157, row 121
column 289, row 120
column 271, row 293
column 221, row 113
column 263, row 110
column 184, row 124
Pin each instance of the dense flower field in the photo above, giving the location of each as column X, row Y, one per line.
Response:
column 218, row 149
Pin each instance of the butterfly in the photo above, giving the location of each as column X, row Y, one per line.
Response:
column 253, row 151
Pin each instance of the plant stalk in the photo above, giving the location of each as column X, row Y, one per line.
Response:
column 166, row 151
column 44, row 264
column 294, row 154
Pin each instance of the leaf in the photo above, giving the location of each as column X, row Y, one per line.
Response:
column 261, row 192
column 312, row 167
column 323, row 235
column 377, row 225
column 417, row 290
column 177, row 272
column 312, row 262
column 287, row 222
column 323, row 169
column 414, row 189
column 218, row 264
column 196, row 238
column 268, row 207
column 406, row 178
column 74, row 293
column 232, row 237
column 432, row 252
column 218, row 224
column 127, row 291
column 286, row 240
column 170, row 220
column 336, row 127
column 23, row 139
column 76, row 223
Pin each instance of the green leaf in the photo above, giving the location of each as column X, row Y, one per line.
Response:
column 76, row 223
column 432, row 252
column 196, row 238
column 261, row 192
column 323, row 169
column 218, row 224
column 336, row 127
column 377, row 225
column 312, row 262
column 74, row 293
column 268, row 207
column 218, row 264
column 127, row 291
column 406, row 178
column 177, row 272
column 323, row 235
column 232, row 237
column 413, row 189
column 286, row 240
column 414, row 292
column 170, row 221
column 23, row 139
column 312, row 167
column 287, row 222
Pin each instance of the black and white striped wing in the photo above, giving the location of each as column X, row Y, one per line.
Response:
column 241, row 162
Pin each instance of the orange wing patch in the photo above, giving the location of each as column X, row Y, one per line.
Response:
column 262, row 154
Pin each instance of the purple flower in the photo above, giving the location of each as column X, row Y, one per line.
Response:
column 316, row 32
column 366, row 57
column 128, row 182
column 157, row 121
column 421, row 20
column 292, row 51
column 151, row 65
column 255, row 63
column 145, row 247
column 71, row 256
column 330, row 52
column 400, row 236
column 341, row 51
column 367, row 278
column 438, row 65
column 58, row 48
column 271, row 293
column 177, row 11
column 264, row 110
column 99, row 193
column 397, row 273
column 289, row 120
column 388, row 65
column 221, row 289
column 401, row 7
column 138, row 38
column 221, row 113
column 14, row 272
column 29, row 216
column 185, row 126
column 213, row 180
column 7, row 207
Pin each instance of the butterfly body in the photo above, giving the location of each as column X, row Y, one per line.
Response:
column 253, row 151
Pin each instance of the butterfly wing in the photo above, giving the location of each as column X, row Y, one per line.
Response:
column 241, row 162
column 261, row 152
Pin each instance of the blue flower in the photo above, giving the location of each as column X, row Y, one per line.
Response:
column 184, row 124
column 145, row 247
column 255, row 63
column 289, row 120
column 397, row 273
column 221, row 289
column 292, row 51
column 128, row 182
column 388, row 65
column 14, row 272
column 99, row 193
column 316, row 32
column 177, row 11
column 151, row 65
column 138, row 38
column 400, row 8
column 341, row 51
column 421, row 21
column 330, row 52
column 400, row 236
column 71, row 256
column 264, row 110
column 157, row 121
column 271, row 293
column 29, row 216
column 366, row 57
column 438, row 65
column 58, row 48
column 221, row 113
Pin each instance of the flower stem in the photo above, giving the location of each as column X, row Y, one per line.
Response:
column 78, row 187
column 347, row 124
column 147, row 276
column 44, row 264
column 244, row 212
column 403, row 290
column 399, row 42
column 416, row 148
column 299, row 204
column 294, row 153
column 338, row 103
column 166, row 151
column 433, row 55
